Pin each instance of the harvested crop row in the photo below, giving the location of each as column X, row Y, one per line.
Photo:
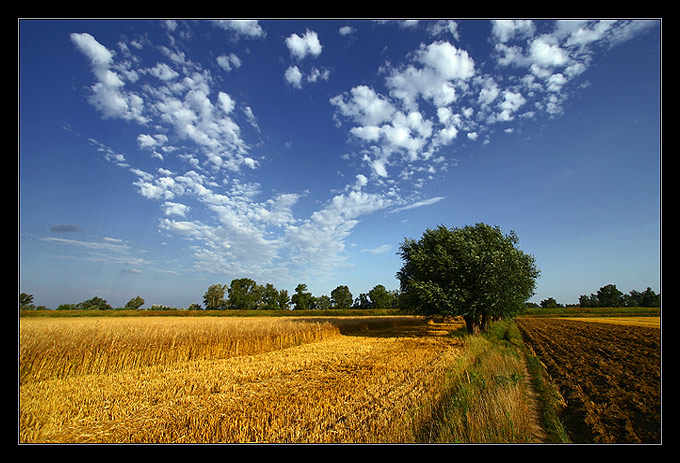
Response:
column 609, row 376
column 58, row 348
column 365, row 386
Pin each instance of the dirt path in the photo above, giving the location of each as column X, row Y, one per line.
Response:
column 534, row 405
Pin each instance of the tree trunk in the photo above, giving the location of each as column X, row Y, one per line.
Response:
column 485, row 321
column 472, row 323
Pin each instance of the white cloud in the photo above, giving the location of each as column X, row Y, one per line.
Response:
column 318, row 242
column 229, row 62
column 378, row 167
column 227, row 103
column 511, row 102
column 90, row 244
column 163, row 72
column 443, row 27
column 151, row 141
column 554, row 58
column 180, row 103
column 379, row 250
column 408, row 23
column 109, row 154
column 248, row 28
column 443, row 68
column 346, row 30
column 107, row 94
column 544, row 52
column 364, row 106
column 506, row 29
column 293, row 76
column 449, row 62
column 100, row 57
column 106, row 251
column 425, row 202
column 306, row 45
column 394, row 126
column 367, row 133
column 316, row 74
column 171, row 208
column 489, row 92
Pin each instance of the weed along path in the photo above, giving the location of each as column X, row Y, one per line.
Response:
column 375, row 385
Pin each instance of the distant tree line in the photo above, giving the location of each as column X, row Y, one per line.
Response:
column 608, row 296
column 247, row 294
column 95, row 303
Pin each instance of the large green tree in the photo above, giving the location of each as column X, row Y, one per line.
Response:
column 475, row 272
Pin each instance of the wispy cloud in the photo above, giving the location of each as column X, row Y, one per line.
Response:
column 108, row 246
column 106, row 251
column 424, row 202
column 379, row 250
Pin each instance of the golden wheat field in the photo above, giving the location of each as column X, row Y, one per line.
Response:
column 215, row 379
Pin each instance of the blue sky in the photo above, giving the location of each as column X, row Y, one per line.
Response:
column 159, row 157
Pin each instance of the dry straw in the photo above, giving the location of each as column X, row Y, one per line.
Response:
column 183, row 384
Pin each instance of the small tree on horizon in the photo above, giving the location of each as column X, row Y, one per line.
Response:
column 213, row 298
column 302, row 300
column 341, row 297
column 135, row 303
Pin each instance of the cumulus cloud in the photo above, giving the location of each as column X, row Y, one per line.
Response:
column 505, row 29
column 553, row 58
column 229, row 62
column 293, row 76
column 364, row 106
column 107, row 93
column 438, row 70
column 182, row 104
column 248, row 28
column 306, row 45
column 171, row 208
column 393, row 124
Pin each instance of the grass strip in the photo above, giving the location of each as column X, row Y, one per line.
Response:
column 487, row 399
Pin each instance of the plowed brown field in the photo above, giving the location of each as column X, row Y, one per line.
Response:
column 608, row 374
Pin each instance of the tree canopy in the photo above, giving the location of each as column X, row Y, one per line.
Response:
column 341, row 297
column 474, row 271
